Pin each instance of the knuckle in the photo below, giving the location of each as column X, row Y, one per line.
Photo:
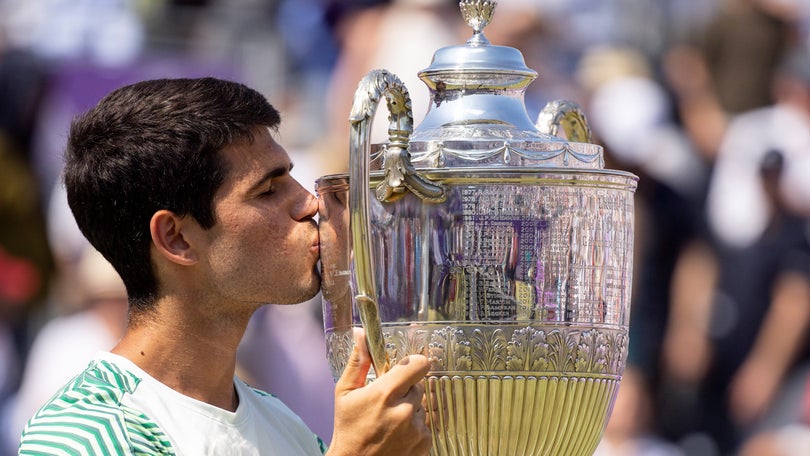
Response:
column 420, row 361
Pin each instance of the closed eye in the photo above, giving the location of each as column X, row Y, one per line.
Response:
column 266, row 185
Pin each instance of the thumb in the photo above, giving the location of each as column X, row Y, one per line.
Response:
column 354, row 375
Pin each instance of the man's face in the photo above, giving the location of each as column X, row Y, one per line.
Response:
column 264, row 246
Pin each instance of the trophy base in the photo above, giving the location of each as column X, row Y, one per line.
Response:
column 511, row 388
column 525, row 415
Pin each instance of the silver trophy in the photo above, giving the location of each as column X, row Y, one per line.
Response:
column 498, row 247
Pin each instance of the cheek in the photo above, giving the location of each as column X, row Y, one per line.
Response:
column 269, row 246
column 260, row 255
column 242, row 246
column 253, row 268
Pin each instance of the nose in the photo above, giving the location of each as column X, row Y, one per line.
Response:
column 308, row 207
column 311, row 205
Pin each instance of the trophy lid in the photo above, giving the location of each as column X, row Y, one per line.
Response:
column 478, row 54
column 478, row 117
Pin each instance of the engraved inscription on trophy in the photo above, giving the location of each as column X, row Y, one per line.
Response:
column 527, row 255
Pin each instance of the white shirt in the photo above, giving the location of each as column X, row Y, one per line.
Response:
column 261, row 424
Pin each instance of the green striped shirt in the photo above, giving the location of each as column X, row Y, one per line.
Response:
column 89, row 417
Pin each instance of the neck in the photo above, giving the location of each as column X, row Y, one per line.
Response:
column 188, row 349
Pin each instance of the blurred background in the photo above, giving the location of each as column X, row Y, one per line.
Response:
column 708, row 101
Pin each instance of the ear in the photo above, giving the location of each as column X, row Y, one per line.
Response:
column 170, row 237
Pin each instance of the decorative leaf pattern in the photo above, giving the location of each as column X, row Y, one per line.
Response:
column 488, row 349
column 528, row 350
column 449, row 350
column 338, row 348
column 403, row 342
column 536, row 349
column 592, row 352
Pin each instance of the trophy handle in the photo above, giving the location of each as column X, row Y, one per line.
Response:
column 569, row 116
column 400, row 176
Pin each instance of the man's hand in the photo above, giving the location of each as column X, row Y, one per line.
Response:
column 385, row 417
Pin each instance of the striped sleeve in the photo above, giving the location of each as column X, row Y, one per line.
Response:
column 78, row 421
column 87, row 418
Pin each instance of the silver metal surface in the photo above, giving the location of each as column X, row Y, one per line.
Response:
column 498, row 247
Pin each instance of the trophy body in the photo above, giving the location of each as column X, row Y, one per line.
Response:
column 498, row 250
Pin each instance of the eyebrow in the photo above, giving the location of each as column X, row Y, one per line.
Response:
column 270, row 175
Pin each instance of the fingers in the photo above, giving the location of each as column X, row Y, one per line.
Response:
column 425, row 437
column 359, row 336
column 414, row 400
column 408, row 372
column 354, row 375
column 416, row 396
column 387, row 416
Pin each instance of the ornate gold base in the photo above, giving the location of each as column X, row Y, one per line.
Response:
column 513, row 388
column 505, row 415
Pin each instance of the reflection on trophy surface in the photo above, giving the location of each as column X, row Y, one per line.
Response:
column 498, row 247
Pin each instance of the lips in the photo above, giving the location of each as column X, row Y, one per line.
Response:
column 315, row 246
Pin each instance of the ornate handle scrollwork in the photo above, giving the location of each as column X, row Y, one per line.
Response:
column 400, row 174
column 566, row 115
column 400, row 177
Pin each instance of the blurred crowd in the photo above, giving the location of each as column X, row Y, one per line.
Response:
column 708, row 101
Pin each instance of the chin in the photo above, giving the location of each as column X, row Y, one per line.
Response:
column 306, row 291
column 311, row 293
column 316, row 280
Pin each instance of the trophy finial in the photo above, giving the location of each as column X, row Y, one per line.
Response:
column 477, row 14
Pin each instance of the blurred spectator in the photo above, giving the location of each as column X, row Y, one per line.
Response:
column 631, row 114
column 726, row 67
column 785, row 427
column 632, row 117
column 311, row 49
column 737, row 206
column 744, row 331
column 64, row 346
column 781, row 340
column 25, row 259
column 742, row 47
column 736, row 214
column 22, row 81
column 97, row 33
